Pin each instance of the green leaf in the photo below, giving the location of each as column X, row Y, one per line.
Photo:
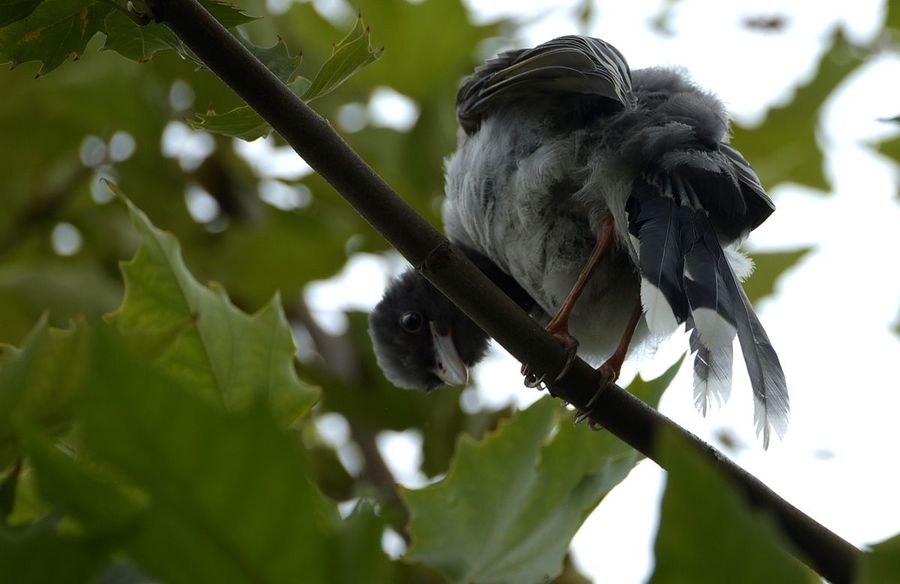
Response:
column 707, row 534
column 199, row 337
column 40, row 382
column 511, row 504
column 55, row 31
column 8, row 492
column 892, row 17
column 769, row 266
column 227, row 14
column 139, row 42
column 241, row 122
column 891, row 148
column 373, row 402
column 650, row 391
column 40, row 553
column 277, row 58
column 784, row 148
column 101, row 507
column 483, row 493
column 349, row 56
column 882, row 564
column 358, row 553
column 228, row 496
column 13, row 10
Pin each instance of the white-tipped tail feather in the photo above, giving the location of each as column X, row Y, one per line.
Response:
column 715, row 332
column 657, row 310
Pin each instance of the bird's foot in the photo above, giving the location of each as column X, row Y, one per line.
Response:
column 607, row 374
column 569, row 343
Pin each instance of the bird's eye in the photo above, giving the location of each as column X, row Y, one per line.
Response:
column 411, row 321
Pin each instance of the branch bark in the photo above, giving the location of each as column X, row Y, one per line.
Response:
column 615, row 409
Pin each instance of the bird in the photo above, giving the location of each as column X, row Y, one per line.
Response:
column 608, row 199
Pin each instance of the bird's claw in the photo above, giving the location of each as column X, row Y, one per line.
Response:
column 531, row 380
column 608, row 375
column 570, row 344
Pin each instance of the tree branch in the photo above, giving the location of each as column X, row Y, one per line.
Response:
column 323, row 149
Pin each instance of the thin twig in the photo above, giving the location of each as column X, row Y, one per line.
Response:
column 615, row 409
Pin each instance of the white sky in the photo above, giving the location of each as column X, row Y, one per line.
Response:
column 830, row 319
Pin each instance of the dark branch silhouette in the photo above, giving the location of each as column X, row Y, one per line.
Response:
column 313, row 138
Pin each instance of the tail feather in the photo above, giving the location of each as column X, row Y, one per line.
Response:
column 687, row 278
column 657, row 223
column 708, row 295
column 771, row 403
column 712, row 372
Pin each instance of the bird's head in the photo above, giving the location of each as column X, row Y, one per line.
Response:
column 421, row 339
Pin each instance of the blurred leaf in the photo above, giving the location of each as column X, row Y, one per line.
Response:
column 358, row 555
column 370, row 401
column 229, row 498
column 286, row 250
column 199, row 337
column 41, row 553
column 784, row 148
column 349, row 56
column 8, row 492
column 101, row 507
column 891, row 149
column 769, row 266
column 29, row 506
column 139, row 42
column 707, row 533
column 40, row 382
column 767, row 23
column 64, row 288
column 650, row 391
column 510, row 505
column 882, row 564
column 892, row 16
column 123, row 572
column 330, row 475
column 411, row 30
column 13, row 10
column 53, row 32
column 570, row 574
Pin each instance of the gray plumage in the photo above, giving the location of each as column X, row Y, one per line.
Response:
column 556, row 139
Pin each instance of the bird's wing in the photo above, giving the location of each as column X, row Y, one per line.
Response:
column 566, row 65
column 682, row 214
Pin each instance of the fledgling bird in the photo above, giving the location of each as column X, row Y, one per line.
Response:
column 609, row 199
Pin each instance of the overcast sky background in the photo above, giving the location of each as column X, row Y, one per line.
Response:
column 831, row 316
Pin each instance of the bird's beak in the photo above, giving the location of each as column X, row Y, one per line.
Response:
column 448, row 365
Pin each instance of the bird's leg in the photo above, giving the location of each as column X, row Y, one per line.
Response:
column 613, row 366
column 559, row 326
column 610, row 369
